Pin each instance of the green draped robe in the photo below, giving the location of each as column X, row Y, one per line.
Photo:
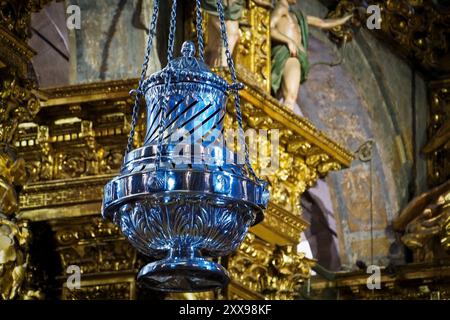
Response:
column 281, row 53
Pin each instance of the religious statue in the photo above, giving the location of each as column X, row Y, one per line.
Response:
column 289, row 33
column 215, row 52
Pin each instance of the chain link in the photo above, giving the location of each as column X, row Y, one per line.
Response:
column 162, row 123
column 199, row 26
column 235, row 87
column 168, row 76
column 172, row 31
column 137, row 94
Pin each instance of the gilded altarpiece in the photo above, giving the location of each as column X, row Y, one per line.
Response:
column 75, row 144
column 438, row 159
column 70, row 163
column 64, row 143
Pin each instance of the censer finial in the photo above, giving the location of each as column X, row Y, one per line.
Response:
column 188, row 49
column 182, row 197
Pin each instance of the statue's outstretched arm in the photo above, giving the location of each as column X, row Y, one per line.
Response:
column 327, row 23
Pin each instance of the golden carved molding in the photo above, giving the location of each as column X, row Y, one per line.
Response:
column 82, row 93
column 116, row 289
column 424, row 223
column 416, row 29
column 283, row 117
column 274, row 272
column 237, row 291
column 93, row 244
column 60, row 199
column 437, row 148
column 15, row 54
column 19, row 102
column 417, row 281
column 254, row 48
column 279, row 226
column 106, row 261
column 15, row 15
column 76, row 144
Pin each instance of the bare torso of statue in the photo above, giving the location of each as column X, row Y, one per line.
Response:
column 288, row 25
column 291, row 61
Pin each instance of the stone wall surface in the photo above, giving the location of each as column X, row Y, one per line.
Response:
column 372, row 94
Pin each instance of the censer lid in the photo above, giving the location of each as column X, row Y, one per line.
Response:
column 186, row 68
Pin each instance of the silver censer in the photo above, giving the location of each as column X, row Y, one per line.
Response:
column 183, row 197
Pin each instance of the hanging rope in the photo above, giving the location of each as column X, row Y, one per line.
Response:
column 365, row 154
column 137, row 94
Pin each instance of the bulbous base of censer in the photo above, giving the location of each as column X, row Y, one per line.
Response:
column 181, row 273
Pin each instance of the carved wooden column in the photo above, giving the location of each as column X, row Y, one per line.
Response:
column 253, row 54
column 18, row 103
column 438, row 132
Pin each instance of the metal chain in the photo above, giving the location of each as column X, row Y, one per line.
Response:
column 235, row 87
column 172, row 30
column 162, row 123
column 168, row 76
column 199, row 26
column 137, row 94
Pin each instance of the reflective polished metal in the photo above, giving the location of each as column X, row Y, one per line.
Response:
column 184, row 197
